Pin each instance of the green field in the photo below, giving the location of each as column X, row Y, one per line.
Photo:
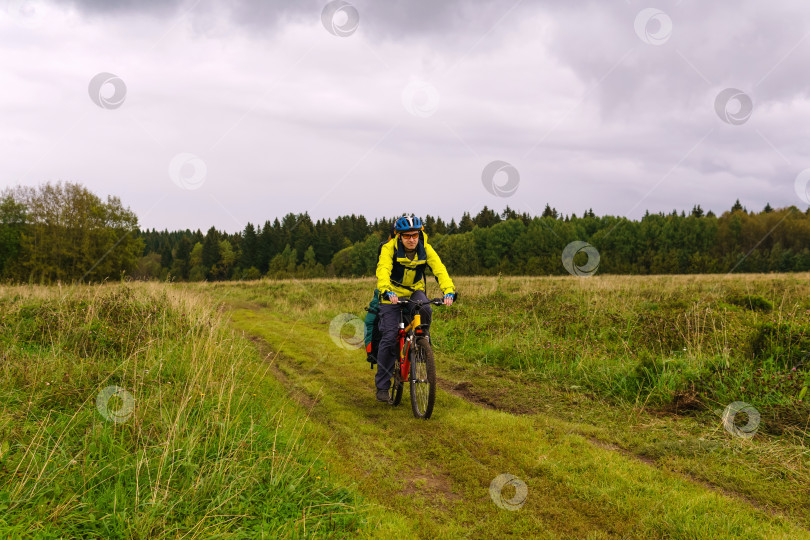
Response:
column 602, row 395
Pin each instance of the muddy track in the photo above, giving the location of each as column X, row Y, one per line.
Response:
column 296, row 393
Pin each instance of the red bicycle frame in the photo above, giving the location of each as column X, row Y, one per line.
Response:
column 405, row 346
column 404, row 361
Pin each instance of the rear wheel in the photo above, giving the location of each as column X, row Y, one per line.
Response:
column 423, row 379
column 395, row 393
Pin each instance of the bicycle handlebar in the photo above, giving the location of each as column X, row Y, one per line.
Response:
column 434, row 301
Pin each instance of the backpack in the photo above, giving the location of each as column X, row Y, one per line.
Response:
column 372, row 333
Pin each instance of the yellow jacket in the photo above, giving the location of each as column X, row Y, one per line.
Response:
column 397, row 273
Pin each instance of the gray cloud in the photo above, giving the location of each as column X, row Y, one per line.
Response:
column 380, row 19
column 157, row 8
column 305, row 121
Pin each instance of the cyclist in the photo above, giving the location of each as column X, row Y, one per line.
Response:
column 400, row 270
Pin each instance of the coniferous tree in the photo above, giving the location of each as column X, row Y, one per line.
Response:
column 466, row 224
column 181, row 266
column 430, row 225
column 210, row 250
column 486, row 218
column 266, row 247
column 550, row 212
column 166, row 258
column 508, row 213
column 301, row 236
column 441, row 226
column 250, row 246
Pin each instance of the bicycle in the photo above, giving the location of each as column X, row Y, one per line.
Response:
column 414, row 363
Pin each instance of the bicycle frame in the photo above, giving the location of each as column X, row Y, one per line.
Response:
column 405, row 346
column 405, row 338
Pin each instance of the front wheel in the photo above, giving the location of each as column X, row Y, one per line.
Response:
column 423, row 379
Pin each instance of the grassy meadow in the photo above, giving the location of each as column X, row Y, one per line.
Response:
column 205, row 442
column 154, row 410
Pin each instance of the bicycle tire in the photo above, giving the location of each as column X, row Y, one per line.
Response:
column 422, row 379
column 395, row 392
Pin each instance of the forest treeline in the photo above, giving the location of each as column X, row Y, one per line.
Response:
column 63, row 232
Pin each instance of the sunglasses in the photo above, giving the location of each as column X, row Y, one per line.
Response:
column 410, row 236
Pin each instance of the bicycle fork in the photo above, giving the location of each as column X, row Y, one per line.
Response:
column 404, row 361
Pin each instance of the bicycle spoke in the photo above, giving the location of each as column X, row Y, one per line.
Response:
column 422, row 380
column 395, row 392
column 421, row 387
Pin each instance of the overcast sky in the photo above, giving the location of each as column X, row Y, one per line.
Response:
column 220, row 113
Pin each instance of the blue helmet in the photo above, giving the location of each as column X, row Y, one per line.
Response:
column 408, row 223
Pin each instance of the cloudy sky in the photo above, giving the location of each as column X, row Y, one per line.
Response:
column 201, row 112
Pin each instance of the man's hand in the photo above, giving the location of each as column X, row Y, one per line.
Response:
column 392, row 297
column 448, row 299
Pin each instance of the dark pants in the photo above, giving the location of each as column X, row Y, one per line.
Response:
column 389, row 344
